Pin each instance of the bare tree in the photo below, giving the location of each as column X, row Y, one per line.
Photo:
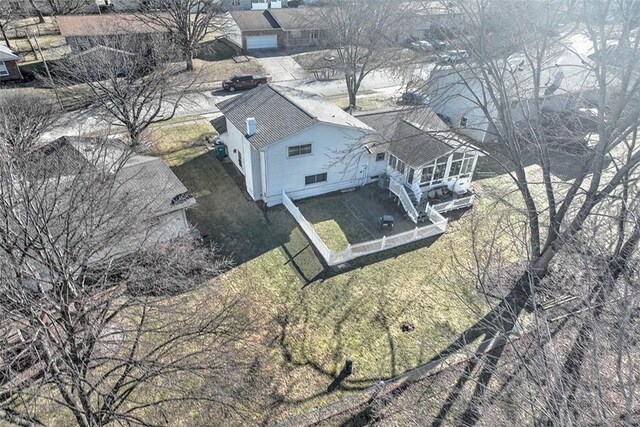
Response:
column 7, row 15
column 189, row 22
column 363, row 35
column 130, row 81
column 23, row 120
column 94, row 320
column 532, row 94
column 67, row 7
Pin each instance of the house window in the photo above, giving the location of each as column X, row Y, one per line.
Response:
column 314, row 179
column 3, row 69
column 379, row 157
column 410, row 175
column 427, row 173
column 461, row 165
column 239, row 159
column 392, row 161
column 299, row 150
column 463, row 122
column 439, row 171
column 400, row 167
column 235, row 3
column 314, row 34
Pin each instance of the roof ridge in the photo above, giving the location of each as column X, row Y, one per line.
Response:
column 299, row 107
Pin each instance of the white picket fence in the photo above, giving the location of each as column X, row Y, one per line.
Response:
column 332, row 258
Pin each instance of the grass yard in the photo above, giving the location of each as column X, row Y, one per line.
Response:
column 309, row 320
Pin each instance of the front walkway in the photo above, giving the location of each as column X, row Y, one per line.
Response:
column 279, row 65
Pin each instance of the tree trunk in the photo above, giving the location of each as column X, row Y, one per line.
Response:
column 4, row 35
column 189, row 62
column 38, row 12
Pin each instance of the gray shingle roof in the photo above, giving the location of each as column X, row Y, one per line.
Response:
column 416, row 136
column 290, row 19
column 281, row 112
column 254, row 20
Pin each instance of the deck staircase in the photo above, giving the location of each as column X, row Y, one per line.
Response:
column 421, row 207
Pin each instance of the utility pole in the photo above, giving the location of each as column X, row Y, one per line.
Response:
column 46, row 67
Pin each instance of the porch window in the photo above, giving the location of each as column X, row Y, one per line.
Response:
column 439, row 171
column 461, row 165
column 410, row 175
column 392, row 161
column 379, row 157
column 3, row 69
column 314, row 179
column 299, row 150
column 401, row 166
column 427, row 173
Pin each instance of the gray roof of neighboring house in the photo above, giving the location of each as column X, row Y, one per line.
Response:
column 6, row 54
column 416, row 136
column 145, row 179
column 254, row 20
column 290, row 19
column 106, row 24
column 281, row 112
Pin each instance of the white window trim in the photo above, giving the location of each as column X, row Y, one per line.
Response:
column 295, row 156
column 317, row 182
column 4, row 71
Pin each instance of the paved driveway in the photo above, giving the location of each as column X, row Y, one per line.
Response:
column 279, row 65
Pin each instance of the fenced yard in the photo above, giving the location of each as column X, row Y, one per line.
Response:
column 348, row 225
column 306, row 320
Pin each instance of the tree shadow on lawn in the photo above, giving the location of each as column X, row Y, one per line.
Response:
column 226, row 216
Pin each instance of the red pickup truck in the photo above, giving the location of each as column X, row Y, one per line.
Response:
column 243, row 81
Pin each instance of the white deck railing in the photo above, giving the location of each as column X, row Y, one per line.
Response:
column 332, row 258
column 399, row 190
column 454, row 204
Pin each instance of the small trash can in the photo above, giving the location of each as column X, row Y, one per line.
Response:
column 220, row 151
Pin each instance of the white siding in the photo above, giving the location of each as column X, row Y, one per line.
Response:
column 235, row 144
column 335, row 150
column 455, row 99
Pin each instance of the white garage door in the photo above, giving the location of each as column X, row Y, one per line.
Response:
column 262, row 42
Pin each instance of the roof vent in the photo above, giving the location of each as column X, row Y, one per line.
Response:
column 251, row 126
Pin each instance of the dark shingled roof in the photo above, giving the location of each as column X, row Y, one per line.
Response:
column 107, row 24
column 145, row 179
column 291, row 19
column 281, row 112
column 254, row 20
column 416, row 136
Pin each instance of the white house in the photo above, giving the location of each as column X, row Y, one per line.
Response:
column 461, row 96
column 283, row 139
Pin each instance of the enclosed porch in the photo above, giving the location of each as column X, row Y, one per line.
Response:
column 442, row 184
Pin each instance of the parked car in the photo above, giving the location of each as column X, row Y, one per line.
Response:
column 438, row 44
column 453, row 57
column 243, row 81
column 414, row 97
column 421, row 45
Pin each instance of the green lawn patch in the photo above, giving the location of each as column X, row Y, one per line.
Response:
column 178, row 143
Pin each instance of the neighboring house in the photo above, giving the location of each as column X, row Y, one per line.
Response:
column 9, row 69
column 84, row 32
column 460, row 96
column 433, row 163
column 428, row 19
column 145, row 180
column 276, row 28
column 283, row 139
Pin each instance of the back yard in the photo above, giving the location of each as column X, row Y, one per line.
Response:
column 308, row 319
